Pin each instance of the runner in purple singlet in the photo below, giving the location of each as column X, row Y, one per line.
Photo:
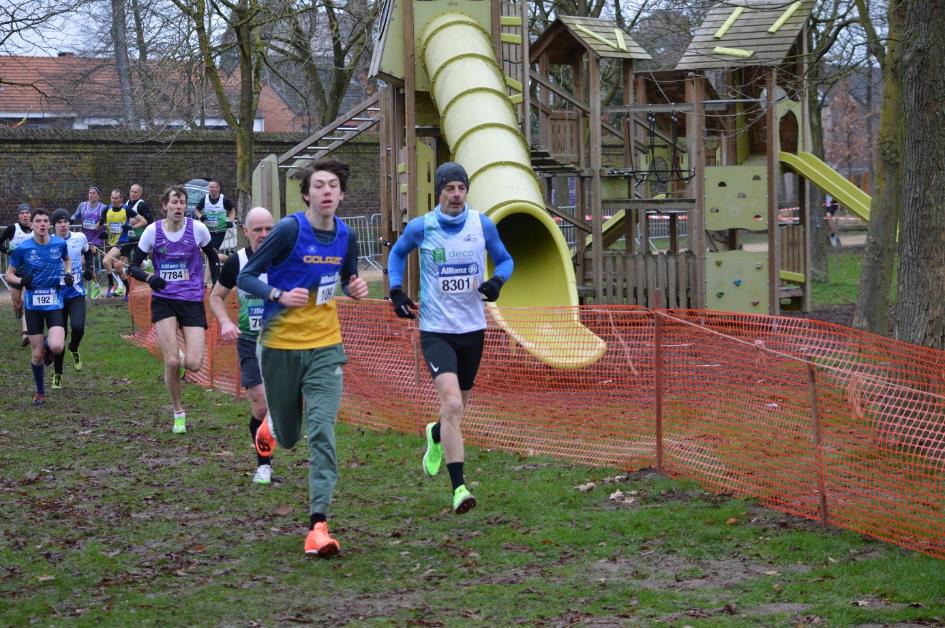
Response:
column 177, row 289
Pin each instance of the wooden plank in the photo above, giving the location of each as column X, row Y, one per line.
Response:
column 662, row 275
column 640, row 261
column 682, row 279
column 671, row 292
column 651, row 280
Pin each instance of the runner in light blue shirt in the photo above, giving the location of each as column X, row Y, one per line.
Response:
column 453, row 241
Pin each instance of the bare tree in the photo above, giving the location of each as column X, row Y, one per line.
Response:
column 243, row 20
column 327, row 44
column 872, row 308
column 119, row 34
column 847, row 145
column 920, row 310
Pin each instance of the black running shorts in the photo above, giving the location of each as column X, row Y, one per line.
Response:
column 36, row 319
column 249, row 364
column 453, row 353
column 187, row 313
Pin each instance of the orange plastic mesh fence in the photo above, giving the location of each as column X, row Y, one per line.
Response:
column 813, row 419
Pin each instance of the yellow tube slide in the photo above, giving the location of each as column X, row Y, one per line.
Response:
column 480, row 126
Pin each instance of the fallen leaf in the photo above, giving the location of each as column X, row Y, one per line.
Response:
column 585, row 487
column 860, row 603
column 772, row 572
column 731, row 521
column 615, row 495
column 283, row 510
column 45, row 578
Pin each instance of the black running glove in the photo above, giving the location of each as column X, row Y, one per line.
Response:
column 68, row 279
column 403, row 305
column 490, row 289
column 156, row 282
column 26, row 282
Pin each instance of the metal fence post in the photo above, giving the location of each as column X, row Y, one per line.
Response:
column 658, row 373
column 818, row 453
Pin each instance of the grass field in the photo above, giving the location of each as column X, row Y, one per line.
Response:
column 110, row 519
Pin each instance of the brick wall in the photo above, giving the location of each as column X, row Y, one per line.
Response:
column 54, row 168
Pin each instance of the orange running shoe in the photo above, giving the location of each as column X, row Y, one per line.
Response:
column 265, row 442
column 319, row 542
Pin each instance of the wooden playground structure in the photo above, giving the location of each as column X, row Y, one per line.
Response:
column 579, row 145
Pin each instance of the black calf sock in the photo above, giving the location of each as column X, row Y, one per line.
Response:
column 316, row 517
column 435, row 432
column 254, row 424
column 456, row 474
column 57, row 363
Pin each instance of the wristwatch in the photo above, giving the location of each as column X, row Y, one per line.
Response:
column 275, row 295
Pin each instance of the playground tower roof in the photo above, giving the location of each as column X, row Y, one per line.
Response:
column 602, row 38
column 746, row 32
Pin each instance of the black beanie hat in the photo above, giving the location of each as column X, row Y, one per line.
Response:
column 60, row 214
column 449, row 171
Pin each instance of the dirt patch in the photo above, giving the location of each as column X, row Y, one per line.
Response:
column 837, row 314
column 671, row 572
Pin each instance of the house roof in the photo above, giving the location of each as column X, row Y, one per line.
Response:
column 53, row 85
column 603, row 38
column 87, row 87
column 746, row 32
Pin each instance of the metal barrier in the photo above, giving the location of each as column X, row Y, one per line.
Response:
column 368, row 230
column 658, row 225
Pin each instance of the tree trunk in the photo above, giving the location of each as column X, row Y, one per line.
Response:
column 247, row 37
column 879, row 257
column 920, row 312
column 122, row 65
column 819, row 234
column 144, row 72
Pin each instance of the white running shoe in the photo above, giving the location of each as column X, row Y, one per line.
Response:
column 263, row 474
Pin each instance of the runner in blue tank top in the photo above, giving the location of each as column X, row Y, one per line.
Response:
column 41, row 267
column 453, row 241
column 299, row 347
column 176, row 290
column 73, row 297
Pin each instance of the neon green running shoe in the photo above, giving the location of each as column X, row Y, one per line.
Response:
column 463, row 501
column 433, row 456
column 56, row 381
column 180, row 424
column 95, row 291
column 76, row 361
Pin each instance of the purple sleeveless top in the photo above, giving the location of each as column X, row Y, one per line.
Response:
column 179, row 263
column 90, row 215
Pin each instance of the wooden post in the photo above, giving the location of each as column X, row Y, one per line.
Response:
column 410, row 134
column 658, row 373
column 384, row 184
column 804, row 143
column 696, row 216
column 597, row 219
column 497, row 32
column 526, row 72
column 771, row 146
column 818, row 453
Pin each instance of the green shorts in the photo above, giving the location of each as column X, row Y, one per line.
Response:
column 306, row 384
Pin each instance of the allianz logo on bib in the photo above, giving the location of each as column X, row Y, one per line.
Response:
column 452, row 270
